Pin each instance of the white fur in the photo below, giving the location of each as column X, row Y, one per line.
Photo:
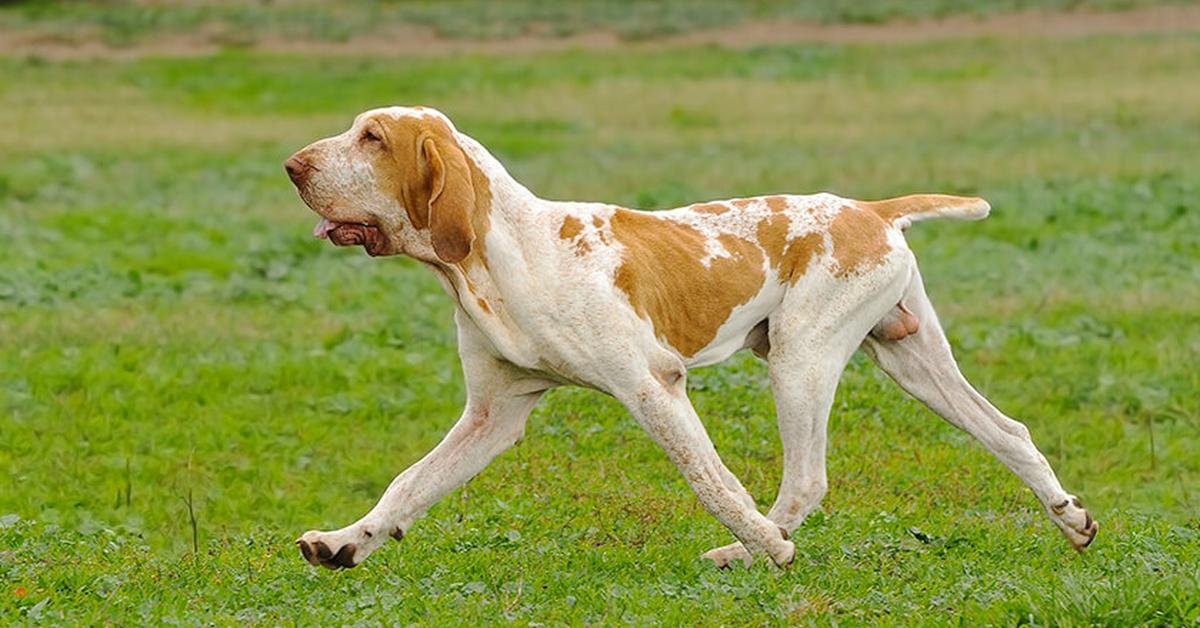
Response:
column 555, row 317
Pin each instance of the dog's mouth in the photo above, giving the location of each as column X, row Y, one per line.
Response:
column 351, row 234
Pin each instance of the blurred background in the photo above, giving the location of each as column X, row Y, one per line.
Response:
column 188, row 380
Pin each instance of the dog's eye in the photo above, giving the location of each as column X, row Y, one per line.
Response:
column 369, row 136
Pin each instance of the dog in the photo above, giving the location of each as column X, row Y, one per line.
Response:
column 550, row 293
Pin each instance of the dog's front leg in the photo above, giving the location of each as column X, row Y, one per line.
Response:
column 498, row 402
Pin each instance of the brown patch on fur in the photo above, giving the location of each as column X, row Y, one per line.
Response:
column 892, row 208
column 571, row 230
column 663, row 278
column 789, row 258
column 440, row 186
column 598, row 223
column 484, row 306
column 571, row 227
column 481, row 218
column 710, row 208
column 743, row 203
column 605, row 236
column 859, row 240
column 777, row 204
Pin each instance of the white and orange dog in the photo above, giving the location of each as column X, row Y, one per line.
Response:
column 625, row 301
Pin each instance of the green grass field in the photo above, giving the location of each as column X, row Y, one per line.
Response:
column 129, row 22
column 188, row 380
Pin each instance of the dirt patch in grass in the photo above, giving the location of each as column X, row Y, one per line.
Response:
column 414, row 40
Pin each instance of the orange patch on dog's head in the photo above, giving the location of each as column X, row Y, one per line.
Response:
column 859, row 240
column 441, row 187
column 789, row 257
column 665, row 281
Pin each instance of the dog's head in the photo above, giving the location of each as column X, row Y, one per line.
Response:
column 397, row 181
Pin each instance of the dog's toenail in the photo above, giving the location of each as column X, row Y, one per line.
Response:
column 305, row 550
column 323, row 551
column 1060, row 508
column 398, row 534
column 1078, row 504
column 345, row 556
column 784, row 533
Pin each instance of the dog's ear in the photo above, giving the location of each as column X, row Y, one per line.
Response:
column 451, row 199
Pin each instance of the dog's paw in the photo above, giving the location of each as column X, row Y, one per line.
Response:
column 324, row 550
column 725, row 557
column 345, row 548
column 785, row 559
column 332, row 550
column 1075, row 522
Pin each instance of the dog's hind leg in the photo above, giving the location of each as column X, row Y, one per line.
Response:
column 923, row 365
column 805, row 357
column 803, row 397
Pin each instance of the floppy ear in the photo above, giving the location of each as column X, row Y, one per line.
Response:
column 451, row 199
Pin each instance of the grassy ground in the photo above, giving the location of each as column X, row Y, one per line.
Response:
column 126, row 22
column 183, row 368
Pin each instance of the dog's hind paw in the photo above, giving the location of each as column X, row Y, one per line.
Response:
column 725, row 557
column 1075, row 522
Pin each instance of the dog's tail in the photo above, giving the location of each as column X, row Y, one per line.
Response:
column 905, row 210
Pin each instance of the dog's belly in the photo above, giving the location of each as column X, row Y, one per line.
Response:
column 731, row 336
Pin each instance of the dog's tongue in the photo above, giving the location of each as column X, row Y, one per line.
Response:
column 323, row 228
column 350, row 234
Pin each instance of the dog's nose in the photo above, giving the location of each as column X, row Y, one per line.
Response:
column 296, row 167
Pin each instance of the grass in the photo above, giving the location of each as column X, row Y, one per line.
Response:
column 172, row 343
column 128, row 22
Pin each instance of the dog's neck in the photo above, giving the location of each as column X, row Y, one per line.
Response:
column 479, row 283
column 511, row 201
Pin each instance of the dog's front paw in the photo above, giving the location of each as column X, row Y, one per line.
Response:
column 325, row 550
column 1075, row 522
column 345, row 548
column 342, row 549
